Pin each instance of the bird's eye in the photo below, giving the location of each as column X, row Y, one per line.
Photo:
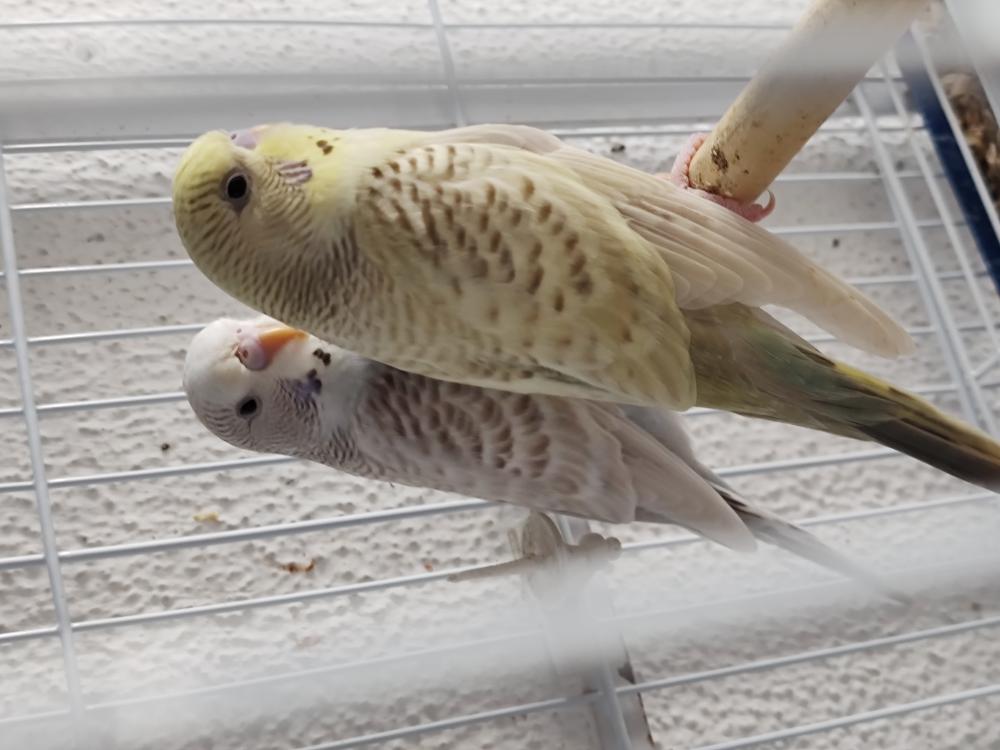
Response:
column 248, row 407
column 237, row 189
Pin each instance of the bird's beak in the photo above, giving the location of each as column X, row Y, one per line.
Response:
column 274, row 340
column 258, row 350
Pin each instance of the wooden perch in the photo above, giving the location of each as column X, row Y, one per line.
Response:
column 829, row 51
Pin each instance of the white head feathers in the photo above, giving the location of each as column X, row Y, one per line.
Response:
column 258, row 384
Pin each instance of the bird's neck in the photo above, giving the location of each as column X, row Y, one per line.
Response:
column 316, row 285
column 344, row 382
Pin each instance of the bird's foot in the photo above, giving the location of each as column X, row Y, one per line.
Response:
column 680, row 175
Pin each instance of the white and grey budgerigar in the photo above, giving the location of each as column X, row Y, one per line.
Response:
column 497, row 256
column 266, row 387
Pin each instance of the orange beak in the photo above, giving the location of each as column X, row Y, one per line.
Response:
column 274, row 340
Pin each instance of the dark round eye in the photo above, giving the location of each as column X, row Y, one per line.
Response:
column 248, row 407
column 237, row 189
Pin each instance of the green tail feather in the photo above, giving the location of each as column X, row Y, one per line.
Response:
column 748, row 363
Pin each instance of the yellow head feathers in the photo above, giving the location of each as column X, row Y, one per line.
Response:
column 243, row 203
column 214, row 184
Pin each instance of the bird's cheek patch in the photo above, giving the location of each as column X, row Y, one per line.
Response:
column 294, row 172
column 308, row 386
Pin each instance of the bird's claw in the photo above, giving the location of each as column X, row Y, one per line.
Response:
column 548, row 566
column 680, row 175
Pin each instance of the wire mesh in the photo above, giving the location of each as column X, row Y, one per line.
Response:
column 658, row 107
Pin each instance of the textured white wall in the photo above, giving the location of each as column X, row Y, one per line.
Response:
column 108, row 79
column 130, row 662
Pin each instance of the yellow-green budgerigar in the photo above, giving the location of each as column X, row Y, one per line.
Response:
column 500, row 257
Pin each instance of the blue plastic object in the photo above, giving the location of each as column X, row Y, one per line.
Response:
column 926, row 101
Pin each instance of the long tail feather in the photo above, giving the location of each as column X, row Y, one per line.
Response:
column 920, row 430
column 885, row 414
column 750, row 364
column 773, row 530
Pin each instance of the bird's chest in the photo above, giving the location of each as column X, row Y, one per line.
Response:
column 339, row 451
column 381, row 312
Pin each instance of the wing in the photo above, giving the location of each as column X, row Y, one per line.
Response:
column 715, row 256
column 517, row 136
column 669, row 430
column 495, row 445
column 507, row 250
column 551, row 454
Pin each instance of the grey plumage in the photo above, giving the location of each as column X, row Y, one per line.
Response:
column 589, row 459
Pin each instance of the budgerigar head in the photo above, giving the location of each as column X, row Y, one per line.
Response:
column 261, row 385
column 246, row 208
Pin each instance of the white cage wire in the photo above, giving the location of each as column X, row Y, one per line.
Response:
column 161, row 590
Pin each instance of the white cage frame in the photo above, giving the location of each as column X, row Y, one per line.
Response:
column 881, row 94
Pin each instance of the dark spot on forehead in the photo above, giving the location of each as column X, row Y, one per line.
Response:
column 322, row 356
column 311, row 374
column 324, row 146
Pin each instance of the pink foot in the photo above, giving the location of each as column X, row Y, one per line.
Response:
column 679, row 175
